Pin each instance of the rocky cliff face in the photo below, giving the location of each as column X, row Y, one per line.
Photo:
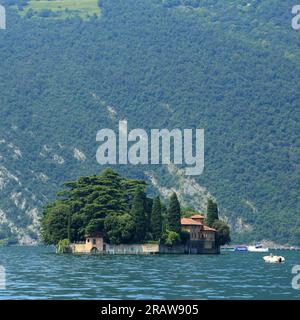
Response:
column 23, row 190
column 19, row 208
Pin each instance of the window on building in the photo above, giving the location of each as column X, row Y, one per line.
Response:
column 94, row 242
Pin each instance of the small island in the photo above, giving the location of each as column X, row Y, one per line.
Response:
column 110, row 214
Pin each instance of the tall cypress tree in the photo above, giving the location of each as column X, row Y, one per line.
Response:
column 69, row 226
column 212, row 212
column 138, row 212
column 156, row 219
column 174, row 214
column 148, row 212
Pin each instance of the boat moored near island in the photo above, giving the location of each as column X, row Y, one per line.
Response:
column 241, row 248
column 258, row 248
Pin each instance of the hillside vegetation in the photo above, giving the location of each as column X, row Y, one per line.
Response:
column 230, row 67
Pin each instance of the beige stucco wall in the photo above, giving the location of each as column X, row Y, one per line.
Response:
column 198, row 246
column 79, row 248
column 132, row 248
column 88, row 246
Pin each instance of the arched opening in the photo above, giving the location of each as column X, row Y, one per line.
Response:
column 94, row 250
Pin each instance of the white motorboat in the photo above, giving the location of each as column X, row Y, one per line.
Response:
column 257, row 248
column 274, row 259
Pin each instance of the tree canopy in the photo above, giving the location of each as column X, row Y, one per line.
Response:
column 212, row 220
column 174, row 214
column 94, row 203
column 118, row 208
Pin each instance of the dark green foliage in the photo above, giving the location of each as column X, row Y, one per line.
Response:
column 148, row 212
column 100, row 204
column 212, row 212
column 63, row 246
column 91, row 204
column 212, row 220
column 107, row 204
column 69, row 226
column 156, row 219
column 120, row 228
column 55, row 222
column 223, row 235
column 138, row 213
column 95, row 225
column 174, row 214
column 170, row 238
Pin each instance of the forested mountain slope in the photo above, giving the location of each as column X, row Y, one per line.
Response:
column 230, row 67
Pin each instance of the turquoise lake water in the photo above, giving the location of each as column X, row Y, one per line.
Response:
column 39, row 273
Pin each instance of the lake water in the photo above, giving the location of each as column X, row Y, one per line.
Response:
column 39, row 273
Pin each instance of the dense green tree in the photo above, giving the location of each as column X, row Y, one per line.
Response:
column 138, row 214
column 212, row 220
column 156, row 219
column 87, row 203
column 223, row 232
column 174, row 214
column 86, row 206
column 120, row 228
column 170, row 238
column 95, row 225
column 212, row 212
column 55, row 223
column 63, row 246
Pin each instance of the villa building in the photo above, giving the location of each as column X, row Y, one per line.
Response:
column 93, row 243
column 202, row 240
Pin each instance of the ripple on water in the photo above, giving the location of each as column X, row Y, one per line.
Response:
column 38, row 273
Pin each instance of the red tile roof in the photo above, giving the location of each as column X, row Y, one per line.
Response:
column 190, row 222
